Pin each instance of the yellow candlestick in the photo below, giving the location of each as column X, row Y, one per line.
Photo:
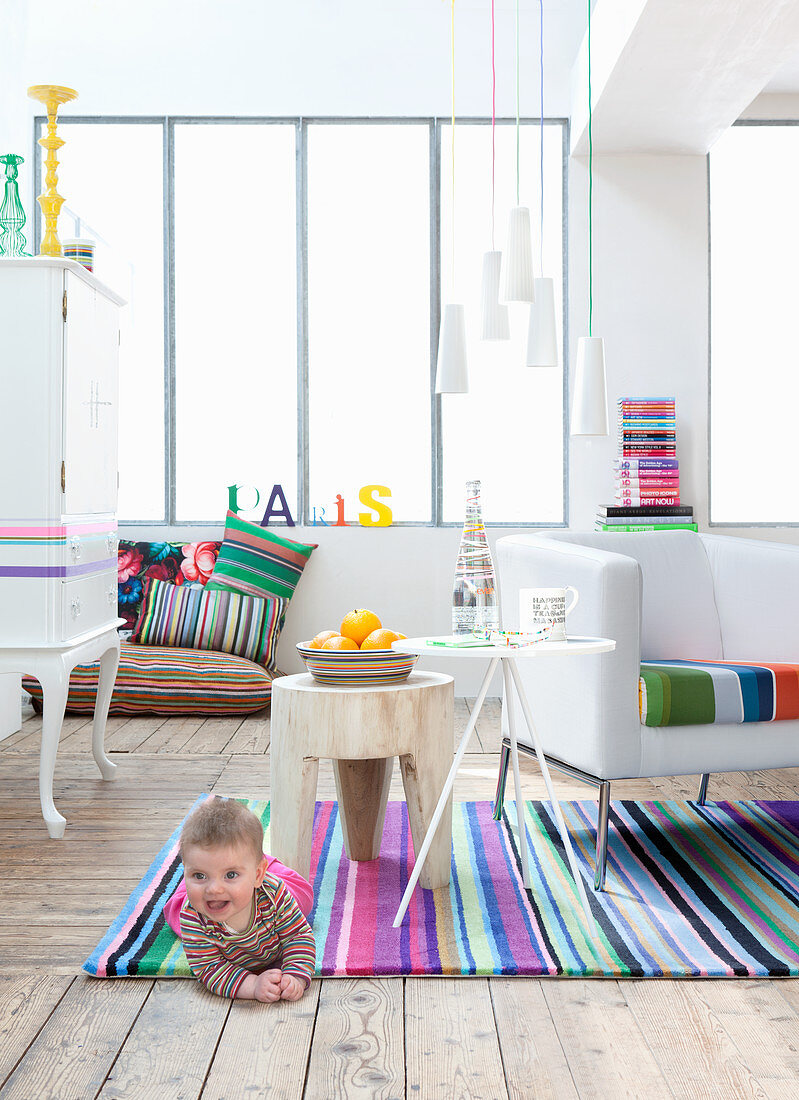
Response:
column 52, row 96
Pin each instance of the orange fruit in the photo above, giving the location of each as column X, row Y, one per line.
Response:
column 319, row 639
column 400, row 637
column 358, row 624
column 380, row 639
column 338, row 641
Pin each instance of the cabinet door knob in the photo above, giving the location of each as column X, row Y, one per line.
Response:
column 75, row 548
column 111, row 542
column 75, row 607
column 111, row 595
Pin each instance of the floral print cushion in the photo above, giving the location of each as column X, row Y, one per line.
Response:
column 180, row 563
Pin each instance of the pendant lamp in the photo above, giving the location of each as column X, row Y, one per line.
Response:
column 517, row 283
column 495, row 324
column 590, row 404
column 451, row 371
column 542, row 338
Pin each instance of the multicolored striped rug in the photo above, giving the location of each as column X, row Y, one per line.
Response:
column 691, row 891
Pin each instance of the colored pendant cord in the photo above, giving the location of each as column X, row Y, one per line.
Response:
column 493, row 124
column 541, row 128
column 452, row 147
column 517, row 102
column 590, row 191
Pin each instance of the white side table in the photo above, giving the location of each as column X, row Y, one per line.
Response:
column 51, row 665
column 508, row 657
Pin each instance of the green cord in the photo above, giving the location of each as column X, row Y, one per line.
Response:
column 517, row 102
column 590, row 191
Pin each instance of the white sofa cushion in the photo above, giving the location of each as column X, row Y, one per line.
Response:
column 678, row 615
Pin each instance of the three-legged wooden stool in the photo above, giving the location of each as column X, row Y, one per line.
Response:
column 361, row 729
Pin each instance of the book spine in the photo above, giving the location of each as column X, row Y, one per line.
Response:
column 664, row 406
column 642, row 464
column 645, row 494
column 632, row 501
column 648, row 483
column 649, row 452
column 648, row 527
column 642, row 438
column 645, row 510
column 654, row 517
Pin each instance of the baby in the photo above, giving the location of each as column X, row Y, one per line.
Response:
column 243, row 932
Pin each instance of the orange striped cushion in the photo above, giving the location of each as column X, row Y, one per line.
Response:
column 166, row 680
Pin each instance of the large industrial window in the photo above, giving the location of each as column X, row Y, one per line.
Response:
column 283, row 279
column 754, row 365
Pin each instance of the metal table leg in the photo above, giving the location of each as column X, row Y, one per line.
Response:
column 445, row 793
column 564, row 832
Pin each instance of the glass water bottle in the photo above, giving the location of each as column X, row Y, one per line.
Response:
column 474, row 593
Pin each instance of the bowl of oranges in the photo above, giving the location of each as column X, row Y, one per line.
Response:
column 359, row 653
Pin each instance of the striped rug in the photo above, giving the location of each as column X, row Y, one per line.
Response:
column 691, row 891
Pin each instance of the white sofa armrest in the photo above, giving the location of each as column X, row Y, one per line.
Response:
column 585, row 708
column 756, row 585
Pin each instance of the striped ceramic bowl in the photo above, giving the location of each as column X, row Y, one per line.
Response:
column 353, row 668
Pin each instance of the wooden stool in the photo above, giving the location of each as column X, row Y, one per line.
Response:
column 361, row 729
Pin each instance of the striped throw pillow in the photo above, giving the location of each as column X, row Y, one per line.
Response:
column 163, row 680
column 256, row 561
column 194, row 618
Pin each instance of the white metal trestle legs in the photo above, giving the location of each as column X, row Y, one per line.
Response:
column 564, row 832
column 517, row 782
column 511, row 679
column 445, row 793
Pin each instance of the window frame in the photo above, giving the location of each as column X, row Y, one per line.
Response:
column 739, row 123
column 301, row 123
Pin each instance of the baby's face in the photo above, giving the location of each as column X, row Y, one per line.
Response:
column 220, row 882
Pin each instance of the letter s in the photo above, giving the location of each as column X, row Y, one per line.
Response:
column 367, row 496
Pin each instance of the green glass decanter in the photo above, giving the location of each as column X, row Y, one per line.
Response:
column 12, row 215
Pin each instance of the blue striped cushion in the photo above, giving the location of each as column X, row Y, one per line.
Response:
column 194, row 618
column 166, row 680
column 680, row 693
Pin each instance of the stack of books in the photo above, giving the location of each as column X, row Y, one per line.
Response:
column 647, row 471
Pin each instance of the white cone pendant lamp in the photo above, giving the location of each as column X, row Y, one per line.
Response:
column 517, row 282
column 589, row 414
column 495, row 323
column 590, row 406
column 452, row 375
column 542, row 337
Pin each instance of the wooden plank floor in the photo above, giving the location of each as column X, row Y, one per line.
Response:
column 64, row 1035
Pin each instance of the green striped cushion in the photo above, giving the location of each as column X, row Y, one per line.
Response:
column 256, row 561
column 194, row 618
column 165, row 680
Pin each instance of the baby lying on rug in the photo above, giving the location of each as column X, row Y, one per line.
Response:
column 243, row 928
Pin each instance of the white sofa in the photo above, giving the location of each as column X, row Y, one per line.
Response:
column 674, row 594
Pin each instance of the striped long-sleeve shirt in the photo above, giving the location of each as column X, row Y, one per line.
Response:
column 278, row 935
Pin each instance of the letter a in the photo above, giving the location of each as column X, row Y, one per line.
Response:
column 277, row 494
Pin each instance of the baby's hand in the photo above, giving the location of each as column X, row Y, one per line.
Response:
column 291, row 988
column 268, row 986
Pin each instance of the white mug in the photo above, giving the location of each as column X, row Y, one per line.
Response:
column 541, row 606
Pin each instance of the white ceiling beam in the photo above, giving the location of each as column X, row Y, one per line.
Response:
column 672, row 75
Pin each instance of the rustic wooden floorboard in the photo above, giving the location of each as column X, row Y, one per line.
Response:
column 264, row 1054
column 65, row 1035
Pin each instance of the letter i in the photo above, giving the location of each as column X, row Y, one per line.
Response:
column 340, row 522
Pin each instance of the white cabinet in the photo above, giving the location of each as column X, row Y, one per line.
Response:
column 58, row 452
